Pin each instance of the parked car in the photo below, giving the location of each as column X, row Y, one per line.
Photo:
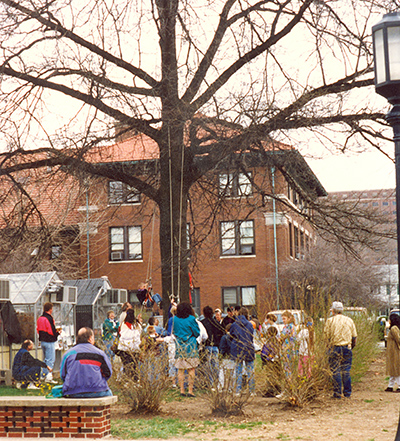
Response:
column 354, row 311
column 298, row 314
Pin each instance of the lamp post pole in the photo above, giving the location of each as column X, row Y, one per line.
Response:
column 393, row 118
column 386, row 40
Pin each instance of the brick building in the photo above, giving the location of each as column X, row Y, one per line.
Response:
column 237, row 232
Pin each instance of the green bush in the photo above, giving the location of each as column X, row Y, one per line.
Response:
column 366, row 349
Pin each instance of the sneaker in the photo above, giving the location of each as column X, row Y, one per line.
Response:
column 389, row 389
column 50, row 381
column 18, row 385
column 32, row 386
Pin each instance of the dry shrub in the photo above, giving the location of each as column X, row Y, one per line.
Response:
column 146, row 392
column 367, row 346
column 283, row 378
column 219, row 385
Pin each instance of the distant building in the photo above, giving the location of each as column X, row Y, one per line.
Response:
column 383, row 201
column 388, row 292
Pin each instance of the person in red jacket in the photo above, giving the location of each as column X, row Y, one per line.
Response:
column 48, row 334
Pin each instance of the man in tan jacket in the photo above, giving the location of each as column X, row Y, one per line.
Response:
column 340, row 333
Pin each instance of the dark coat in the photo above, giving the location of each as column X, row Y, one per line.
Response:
column 23, row 363
column 225, row 346
column 215, row 331
column 242, row 348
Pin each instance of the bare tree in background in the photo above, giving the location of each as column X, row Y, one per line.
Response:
column 328, row 273
column 70, row 71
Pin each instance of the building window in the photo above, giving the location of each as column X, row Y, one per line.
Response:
column 375, row 204
column 291, row 252
column 302, row 245
column 235, row 184
column 296, row 242
column 121, row 193
column 385, row 203
column 126, row 243
column 237, row 238
column 239, row 295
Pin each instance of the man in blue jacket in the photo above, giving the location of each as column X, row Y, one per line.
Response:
column 242, row 349
column 26, row 369
column 85, row 369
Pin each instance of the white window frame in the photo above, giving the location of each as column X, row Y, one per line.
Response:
column 239, row 295
column 121, row 193
column 235, row 239
column 235, row 184
column 128, row 241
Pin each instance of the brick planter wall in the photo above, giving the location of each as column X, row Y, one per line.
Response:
column 38, row 417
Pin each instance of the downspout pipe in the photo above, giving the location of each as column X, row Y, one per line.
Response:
column 275, row 237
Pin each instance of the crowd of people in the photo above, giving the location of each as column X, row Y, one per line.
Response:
column 219, row 349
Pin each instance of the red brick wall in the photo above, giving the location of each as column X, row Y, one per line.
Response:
column 55, row 421
column 211, row 272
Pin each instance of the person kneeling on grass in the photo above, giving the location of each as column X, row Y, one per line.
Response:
column 26, row 369
column 85, row 369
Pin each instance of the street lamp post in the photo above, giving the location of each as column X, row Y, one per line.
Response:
column 386, row 40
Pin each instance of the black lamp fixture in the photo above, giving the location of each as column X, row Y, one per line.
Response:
column 386, row 39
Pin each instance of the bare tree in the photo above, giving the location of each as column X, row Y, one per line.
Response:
column 328, row 273
column 273, row 68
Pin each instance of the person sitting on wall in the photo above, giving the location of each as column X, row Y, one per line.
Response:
column 27, row 370
column 85, row 369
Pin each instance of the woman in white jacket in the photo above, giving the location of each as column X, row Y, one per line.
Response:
column 129, row 342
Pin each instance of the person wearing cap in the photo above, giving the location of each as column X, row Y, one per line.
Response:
column 341, row 335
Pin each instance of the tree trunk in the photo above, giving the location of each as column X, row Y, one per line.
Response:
column 173, row 213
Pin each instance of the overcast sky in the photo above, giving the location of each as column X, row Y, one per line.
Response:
column 364, row 171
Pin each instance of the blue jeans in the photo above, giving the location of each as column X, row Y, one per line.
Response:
column 340, row 358
column 249, row 369
column 110, row 354
column 49, row 354
column 29, row 373
column 104, row 393
column 213, row 365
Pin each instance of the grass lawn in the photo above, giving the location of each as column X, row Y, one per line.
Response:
column 14, row 392
column 171, row 427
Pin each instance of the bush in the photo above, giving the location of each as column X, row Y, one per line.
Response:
column 296, row 388
column 283, row 378
column 145, row 390
column 220, row 390
column 366, row 349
